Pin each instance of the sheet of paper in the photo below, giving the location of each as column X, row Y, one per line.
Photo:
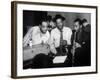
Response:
column 59, row 59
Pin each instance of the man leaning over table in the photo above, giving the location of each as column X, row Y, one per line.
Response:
column 38, row 35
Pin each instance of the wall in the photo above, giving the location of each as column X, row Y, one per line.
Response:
column 5, row 41
column 70, row 17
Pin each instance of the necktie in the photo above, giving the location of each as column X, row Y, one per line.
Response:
column 61, row 41
column 61, row 38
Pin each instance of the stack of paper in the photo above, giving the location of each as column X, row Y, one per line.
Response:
column 59, row 59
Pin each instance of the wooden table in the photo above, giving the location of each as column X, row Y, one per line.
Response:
column 31, row 52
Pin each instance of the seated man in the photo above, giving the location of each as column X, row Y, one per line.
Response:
column 60, row 37
column 38, row 35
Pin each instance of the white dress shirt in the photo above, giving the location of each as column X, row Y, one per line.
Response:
column 55, row 37
column 36, row 36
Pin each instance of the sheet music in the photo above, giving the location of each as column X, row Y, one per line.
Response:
column 59, row 59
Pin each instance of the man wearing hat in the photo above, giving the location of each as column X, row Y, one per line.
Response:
column 60, row 37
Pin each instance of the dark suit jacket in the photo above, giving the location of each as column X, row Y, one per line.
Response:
column 83, row 35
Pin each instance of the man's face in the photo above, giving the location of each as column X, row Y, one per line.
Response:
column 44, row 27
column 59, row 23
column 84, row 24
column 76, row 26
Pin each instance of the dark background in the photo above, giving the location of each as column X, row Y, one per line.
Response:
column 33, row 18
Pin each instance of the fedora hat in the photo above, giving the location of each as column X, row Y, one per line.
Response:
column 58, row 16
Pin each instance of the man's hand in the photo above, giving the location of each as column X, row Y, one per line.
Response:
column 77, row 45
column 64, row 43
column 73, row 50
column 54, row 51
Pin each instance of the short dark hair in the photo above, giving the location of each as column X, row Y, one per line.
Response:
column 43, row 20
column 78, row 20
column 57, row 16
column 49, row 18
column 84, row 20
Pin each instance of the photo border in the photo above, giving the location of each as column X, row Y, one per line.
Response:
column 14, row 37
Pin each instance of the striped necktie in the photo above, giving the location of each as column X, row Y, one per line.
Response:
column 61, row 38
column 61, row 41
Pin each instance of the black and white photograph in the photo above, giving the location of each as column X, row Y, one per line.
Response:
column 54, row 39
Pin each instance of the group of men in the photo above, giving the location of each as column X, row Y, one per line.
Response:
column 62, row 40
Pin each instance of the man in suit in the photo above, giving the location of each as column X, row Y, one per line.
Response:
column 87, row 41
column 80, row 48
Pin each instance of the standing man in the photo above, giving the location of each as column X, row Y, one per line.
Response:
column 77, row 43
column 86, row 29
column 80, row 50
column 60, row 37
column 87, row 41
